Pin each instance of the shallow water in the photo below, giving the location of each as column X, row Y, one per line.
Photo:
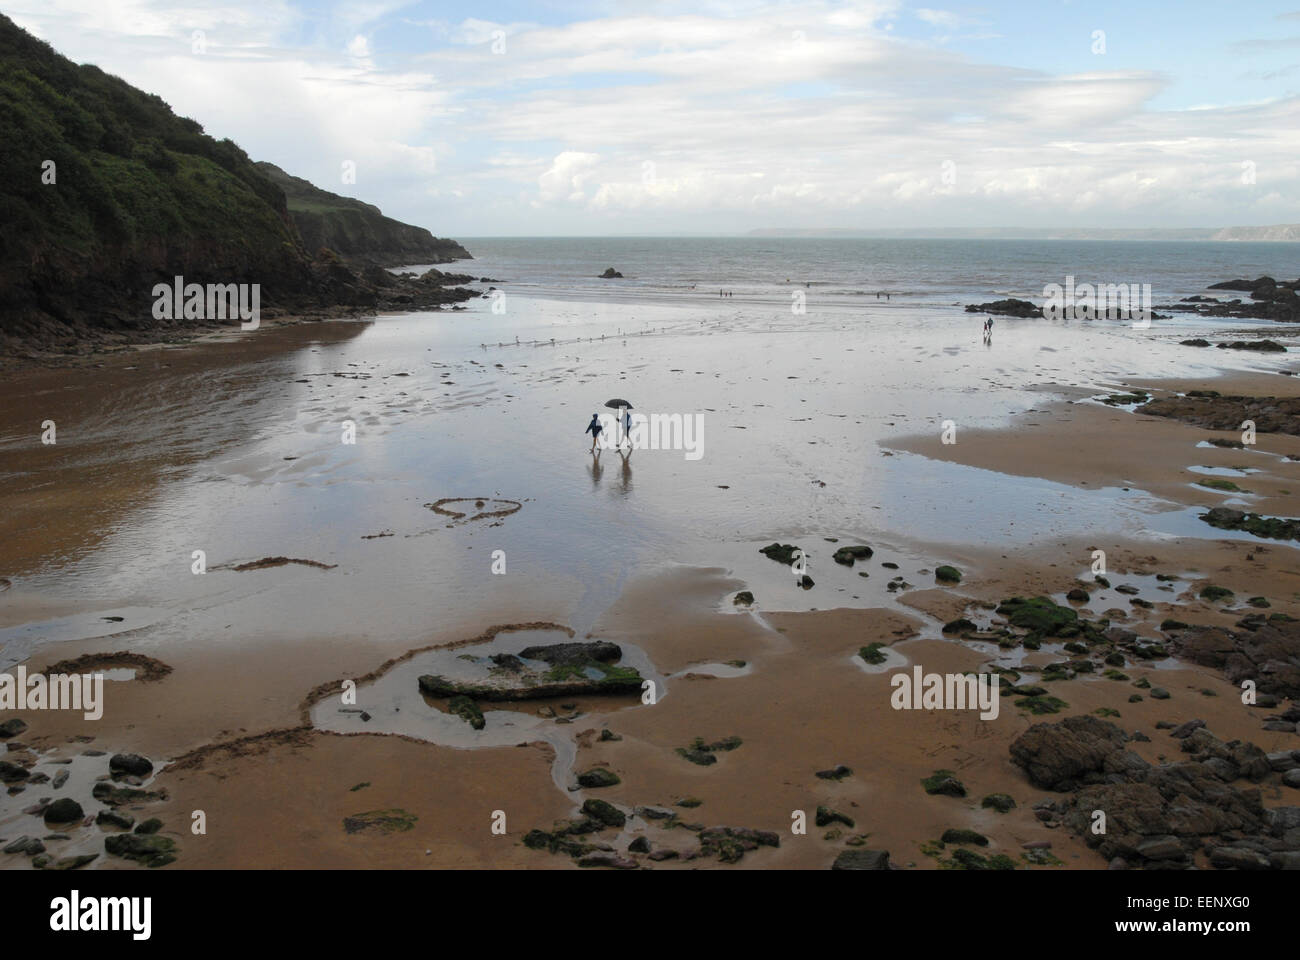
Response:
column 248, row 460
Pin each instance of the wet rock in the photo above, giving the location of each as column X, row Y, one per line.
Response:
column 1038, row 614
column 598, row 777
column 63, row 810
column 847, row 555
column 1000, row 802
column 944, row 783
column 1238, row 858
column 1078, row 595
column 611, row 860
column 1185, row 730
column 1159, row 693
column 861, row 860
column 12, row 728
column 605, row 812
column 119, row 796
column 153, row 851
column 660, row 855
column 611, row 274
column 507, row 661
column 1268, row 654
column 152, row 825
column 607, row 735
column 25, row 845
column 959, row 836
column 1061, row 755
column 574, row 654
column 1292, row 779
column 111, row 818
column 1284, row 760
column 12, row 773
column 467, row 710
column 743, row 599
column 639, row 845
column 780, row 552
column 130, row 763
column 836, row 773
column 826, row 816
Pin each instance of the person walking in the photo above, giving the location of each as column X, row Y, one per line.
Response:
column 594, row 429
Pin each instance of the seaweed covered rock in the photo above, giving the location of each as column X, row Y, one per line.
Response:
column 780, row 552
column 847, row 555
column 1038, row 614
column 152, row 850
column 571, row 669
column 467, row 710
column 598, row 777
column 1270, row 528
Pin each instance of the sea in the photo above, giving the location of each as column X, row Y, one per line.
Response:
column 849, row 271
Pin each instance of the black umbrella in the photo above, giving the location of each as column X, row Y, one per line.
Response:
column 617, row 404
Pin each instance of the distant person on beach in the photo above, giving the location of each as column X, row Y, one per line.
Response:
column 594, row 429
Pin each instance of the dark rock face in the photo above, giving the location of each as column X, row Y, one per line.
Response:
column 611, row 274
column 355, row 230
column 1007, row 308
column 1268, row 654
column 142, row 196
column 1158, row 816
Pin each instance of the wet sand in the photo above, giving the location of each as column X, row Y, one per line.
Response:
column 651, row 560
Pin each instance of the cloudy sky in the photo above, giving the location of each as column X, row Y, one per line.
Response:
column 545, row 118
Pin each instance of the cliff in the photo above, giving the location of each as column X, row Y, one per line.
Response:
column 355, row 230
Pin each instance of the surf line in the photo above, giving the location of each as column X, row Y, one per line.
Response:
column 946, row 691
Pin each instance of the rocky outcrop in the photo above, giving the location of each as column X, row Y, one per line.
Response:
column 1269, row 300
column 1272, row 528
column 1207, row 408
column 1258, row 648
column 121, row 195
column 1007, row 308
column 573, row 669
column 357, row 231
column 1158, row 816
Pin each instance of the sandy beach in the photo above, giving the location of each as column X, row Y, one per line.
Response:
column 820, row 433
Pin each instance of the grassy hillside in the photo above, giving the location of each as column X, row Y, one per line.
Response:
column 139, row 195
column 356, row 230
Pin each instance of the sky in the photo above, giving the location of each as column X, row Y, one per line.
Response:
column 617, row 118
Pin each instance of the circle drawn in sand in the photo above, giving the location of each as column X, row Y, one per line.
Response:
column 146, row 668
column 476, row 508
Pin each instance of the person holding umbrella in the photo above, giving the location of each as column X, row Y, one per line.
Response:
column 624, row 419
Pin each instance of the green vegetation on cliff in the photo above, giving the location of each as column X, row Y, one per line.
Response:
column 357, row 230
column 107, row 192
